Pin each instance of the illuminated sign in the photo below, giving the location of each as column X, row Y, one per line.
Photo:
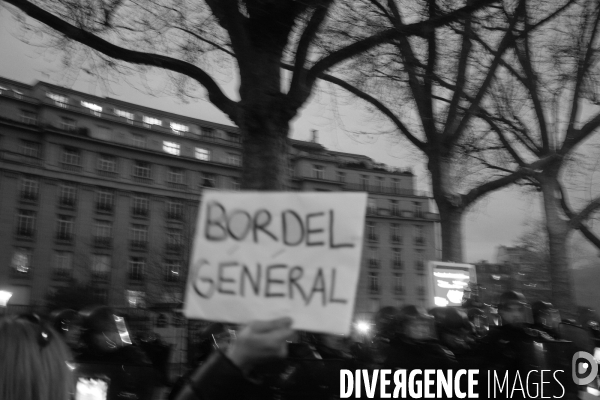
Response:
column 448, row 282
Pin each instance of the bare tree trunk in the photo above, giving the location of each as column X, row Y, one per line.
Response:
column 265, row 157
column 451, row 219
column 557, row 225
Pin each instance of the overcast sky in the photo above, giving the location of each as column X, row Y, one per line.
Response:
column 495, row 221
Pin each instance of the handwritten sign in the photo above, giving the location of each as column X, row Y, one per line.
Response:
column 264, row 255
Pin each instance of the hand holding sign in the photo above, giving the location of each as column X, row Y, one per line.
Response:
column 260, row 341
column 265, row 255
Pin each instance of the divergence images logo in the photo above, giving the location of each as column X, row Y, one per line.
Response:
column 582, row 364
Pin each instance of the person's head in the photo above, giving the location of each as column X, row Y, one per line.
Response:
column 104, row 331
column 33, row 361
column 545, row 315
column 386, row 321
column 452, row 327
column 67, row 322
column 478, row 318
column 415, row 323
column 512, row 308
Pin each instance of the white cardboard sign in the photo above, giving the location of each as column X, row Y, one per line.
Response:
column 264, row 255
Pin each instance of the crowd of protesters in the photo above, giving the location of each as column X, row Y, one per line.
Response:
column 71, row 354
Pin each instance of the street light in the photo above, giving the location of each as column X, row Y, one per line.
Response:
column 5, row 295
column 363, row 327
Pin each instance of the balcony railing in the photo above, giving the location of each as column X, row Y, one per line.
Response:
column 103, row 242
column 142, row 179
column 396, row 239
column 138, row 245
column 140, row 212
column 172, row 277
column 64, row 237
column 384, row 190
column 373, row 237
column 107, row 173
column 398, row 290
column 174, row 248
column 179, row 186
column 29, row 196
column 136, row 276
column 25, row 232
column 374, row 289
column 175, row 215
column 67, row 202
column 21, row 272
column 373, row 263
column 420, row 241
column 62, row 274
column 397, row 265
column 104, row 207
column 98, row 276
column 71, row 167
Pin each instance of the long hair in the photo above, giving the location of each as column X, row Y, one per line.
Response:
column 33, row 362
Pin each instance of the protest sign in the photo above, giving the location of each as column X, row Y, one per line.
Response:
column 264, row 255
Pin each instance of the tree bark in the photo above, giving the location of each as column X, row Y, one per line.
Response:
column 451, row 219
column 558, row 229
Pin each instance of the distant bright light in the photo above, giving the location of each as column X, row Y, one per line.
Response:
column 496, row 277
column 92, row 106
column 451, row 275
column 593, row 391
column 363, row 327
column 152, row 121
column 4, row 297
column 455, row 296
column 440, row 301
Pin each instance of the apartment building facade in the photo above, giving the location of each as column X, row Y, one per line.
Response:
column 103, row 192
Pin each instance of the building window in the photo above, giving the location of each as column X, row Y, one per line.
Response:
column 176, row 175
column 28, row 117
column 397, row 259
column 371, row 231
column 371, row 206
column 67, row 196
column 234, row 137
column 396, row 185
column 94, row 108
column 142, row 169
column 136, row 298
column 20, row 264
column 140, row 206
column 171, row 148
column 235, row 184
column 341, row 176
column 418, row 209
column 420, row 291
column 373, row 282
column 71, row 156
column 380, row 186
column 174, row 240
column 149, row 121
column 59, row 100
column 63, row 265
column 64, row 228
column 394, row 208
column 136, row 268
column 105, row 200
column 208, row 181
column 102, row 233
column 67, row 124
column 173, row 271
column 374, row 305
column 234, row 159
column 100, row 267
column 202, row 154
column 25, row 223
column 31, row 149
column 398, row 285
column 364, row 182
column 138, row 140
column 125, row 114
column 395, row 233
column 373, row 257
column 107, row 163
column 175, row 210
column 178, row 129
column 420, row 260
column 139, row 236
column 101, row 294
column 419, row 237
column 208, row 132
column 318, row 172
column 29, row 189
